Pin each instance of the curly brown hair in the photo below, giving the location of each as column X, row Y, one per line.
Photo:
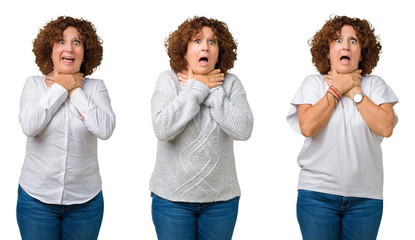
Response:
column 176, row 43
column 53, row 33
column 369, row 42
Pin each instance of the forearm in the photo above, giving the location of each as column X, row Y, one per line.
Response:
column 171, row 112
column 234, row 115
column 37, row 110
column 380, row 119
column 314, row 118
column 97, row 112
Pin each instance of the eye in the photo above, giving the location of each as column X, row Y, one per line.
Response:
column 196, row 41
column 77, row 42
column 212, row 42
column 353, row 40
column 61, row 42
column 338, row 40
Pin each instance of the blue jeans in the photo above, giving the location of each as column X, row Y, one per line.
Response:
column 330, row 217
column 191, row 221
column 41, row 221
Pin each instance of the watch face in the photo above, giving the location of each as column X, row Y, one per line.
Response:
column 358, row 98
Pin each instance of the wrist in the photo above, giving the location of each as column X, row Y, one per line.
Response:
column 334, row 90
column 358, row 97
column 355, row 91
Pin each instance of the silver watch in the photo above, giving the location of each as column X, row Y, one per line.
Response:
column 358, row 97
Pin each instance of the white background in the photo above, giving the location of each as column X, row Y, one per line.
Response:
column 273, row 59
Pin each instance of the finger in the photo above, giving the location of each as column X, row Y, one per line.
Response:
column 180, row 75
column 328, row 77
column 217, row 76
column 214, row 71
column 216, row 84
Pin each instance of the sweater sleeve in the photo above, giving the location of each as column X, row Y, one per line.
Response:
column 37, row 106
column 172, row 108
column 99, row 118
column 230, row 108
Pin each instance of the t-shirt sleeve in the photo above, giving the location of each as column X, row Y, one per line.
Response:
column 309, row 92
column 380, row 93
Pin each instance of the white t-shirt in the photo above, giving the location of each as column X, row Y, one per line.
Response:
column 345, row 158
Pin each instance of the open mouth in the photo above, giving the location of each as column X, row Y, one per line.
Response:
column 68, row 59
column 344, row 59
column 203, row 59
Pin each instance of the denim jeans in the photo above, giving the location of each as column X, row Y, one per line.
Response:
column 333, row 217
column 191, row 221
column 41, row 221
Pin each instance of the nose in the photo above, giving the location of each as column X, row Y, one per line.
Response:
column 346, row 45
column 68, row 47
column 205, row 45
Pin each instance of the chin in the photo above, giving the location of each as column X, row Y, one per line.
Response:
column 203, row 71
column 67, row 71
column 344, row 70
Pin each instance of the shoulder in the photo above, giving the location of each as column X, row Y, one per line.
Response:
column 93, row 83
column 314, row 81
column 167, row 79
column 36, row 79
column 231, row 79
column 168, row 74
column 37, row 82
column 317, row 78
column 372, row 81
column 232, row 83
column 231, row 76
column 372, row 78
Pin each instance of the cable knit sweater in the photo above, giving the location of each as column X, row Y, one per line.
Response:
column 195, row 127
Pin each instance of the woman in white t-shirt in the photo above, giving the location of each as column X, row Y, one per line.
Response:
column 344, row 113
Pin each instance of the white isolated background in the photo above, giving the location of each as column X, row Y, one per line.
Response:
column 273, row 59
